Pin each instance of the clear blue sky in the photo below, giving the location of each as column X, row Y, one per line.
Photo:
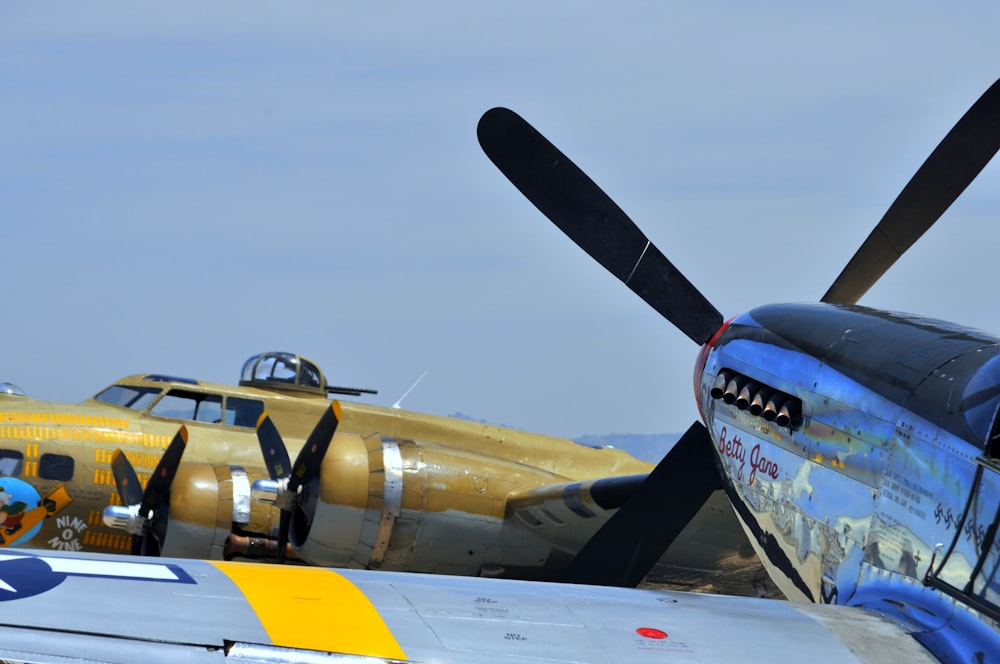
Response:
column 184, row 185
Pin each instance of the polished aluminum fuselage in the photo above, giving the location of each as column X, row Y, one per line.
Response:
column 883, row 492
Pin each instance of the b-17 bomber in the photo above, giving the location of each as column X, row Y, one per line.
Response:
column 159, row 464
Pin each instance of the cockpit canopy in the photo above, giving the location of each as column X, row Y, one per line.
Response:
column 11, row 388
column 283, row 371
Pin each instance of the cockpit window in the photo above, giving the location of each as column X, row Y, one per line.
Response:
column 136, row 398
column 211, row 408
column 184, row 405
column 243, row 412
column 980, row 404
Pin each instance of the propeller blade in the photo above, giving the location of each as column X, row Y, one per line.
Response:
column 311, row 455
column 285, row 520
column 157, row 490
column 574, row 203
column 288, row 480
column 163, row 475
column 952, row 166
column 623, row 551
column 273, row 448
column 141, row 512
column 129, row 488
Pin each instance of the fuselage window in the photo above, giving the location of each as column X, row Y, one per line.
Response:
column 243, row 412
column 136, row 398
column 58, row 467
column 185, row 405
column 11, row 463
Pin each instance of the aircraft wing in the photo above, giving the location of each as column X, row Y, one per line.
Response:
column 711, row 553
column 73, row 607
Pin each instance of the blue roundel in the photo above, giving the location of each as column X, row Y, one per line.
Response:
column 26, row 576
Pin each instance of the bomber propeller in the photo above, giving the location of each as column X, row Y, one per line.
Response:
column 285, row 488
column 144, row 513
column 630, row 543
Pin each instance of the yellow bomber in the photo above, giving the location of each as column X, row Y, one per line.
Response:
column 396, row 489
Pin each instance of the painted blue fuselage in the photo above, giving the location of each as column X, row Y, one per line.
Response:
column 880, row 485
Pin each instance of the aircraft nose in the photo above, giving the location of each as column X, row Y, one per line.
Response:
column 702, row 361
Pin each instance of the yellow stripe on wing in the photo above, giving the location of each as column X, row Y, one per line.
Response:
column 313, row 608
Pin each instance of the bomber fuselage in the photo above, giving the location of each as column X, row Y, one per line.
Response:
column 399, row 490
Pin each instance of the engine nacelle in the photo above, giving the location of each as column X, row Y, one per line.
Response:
column 328, row 529
column 398, row 504
column 207, row 503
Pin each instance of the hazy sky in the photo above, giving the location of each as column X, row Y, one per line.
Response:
column 185, row 184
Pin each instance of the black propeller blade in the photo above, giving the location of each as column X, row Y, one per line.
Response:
column 285, row 487
column 278, row 468
column 310, row 457
column 275, row 455
column 129, row 488
column 143, row 513
column 574, row 203
column 623, row 551
column 952, row 166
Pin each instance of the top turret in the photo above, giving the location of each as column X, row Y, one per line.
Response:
column 292, row 373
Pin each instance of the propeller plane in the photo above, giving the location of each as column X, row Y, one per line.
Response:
column 859, row 447
column 371, row 487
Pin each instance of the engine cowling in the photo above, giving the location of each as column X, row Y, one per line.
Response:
column 328, row 527
column 398, row 504
column 208, row 503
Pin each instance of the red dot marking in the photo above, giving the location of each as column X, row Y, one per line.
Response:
column 651, row 633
